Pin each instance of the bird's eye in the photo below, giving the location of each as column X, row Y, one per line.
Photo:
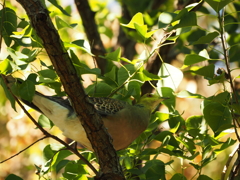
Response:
column 149, row 95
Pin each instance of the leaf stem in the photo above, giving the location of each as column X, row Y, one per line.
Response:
column 226, row 59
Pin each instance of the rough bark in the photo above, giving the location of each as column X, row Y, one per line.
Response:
column 91, row 121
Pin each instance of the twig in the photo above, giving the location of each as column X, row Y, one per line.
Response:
column 226, row 59
column 236, row 167
column 23, row 149
column 228, row 162
column 125, row 82
column 91, row 30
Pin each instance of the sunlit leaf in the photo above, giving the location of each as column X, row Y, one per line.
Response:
column 55, row 3
column 165, row 18
column 114, row 56
column 45, row 122
column 5, row 66
column 217, row 5
column 81, row 44
column 61, row 23
column 136, row 19
column 187, row 94
column 173, row 76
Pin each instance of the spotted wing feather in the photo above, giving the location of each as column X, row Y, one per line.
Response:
column 107, row 106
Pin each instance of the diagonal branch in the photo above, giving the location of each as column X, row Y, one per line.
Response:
column 23, row 149
column 92, row 33
column 90, row 119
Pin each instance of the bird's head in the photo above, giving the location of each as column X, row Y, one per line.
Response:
column 150, row 100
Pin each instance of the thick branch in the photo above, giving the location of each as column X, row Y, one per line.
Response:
column 91, row 30
column 61, row 61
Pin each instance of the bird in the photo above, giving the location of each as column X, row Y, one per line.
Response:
column 123, row 121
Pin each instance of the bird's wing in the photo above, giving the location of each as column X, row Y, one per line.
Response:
column 62, row 101
column 104, row 106
column 107, row 106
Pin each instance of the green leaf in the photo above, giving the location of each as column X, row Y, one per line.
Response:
column 136, row 19
column 54, row 2
column 204, row 177
column 191, row 59
column 80, row 44
column 168, row 92
column 165, row 18
column 59, row 156
column 142, row 30
column 134, row 89
column 61, row 23
column 225, row 145
column 48, row 153
column 19, row 34
column 75, row 170
column 43, row 121
column 47, row 74
column 180, row 14
column 8, row 19
column 217, row 116
column 100, row 89
column 6, row 66
column 194, row 125
column 111, row 76
column 125, row 72
column 217, row 79
column 31, row 54
column 207, row 39
column 196, row 166
column 61, row 165
column 154, row 169
column 147, row 76
column 114, row 56
column 128, row 162
column 194, row 122
column 178, row 176
column 17, row 56
column 84, row 69
column 217, row 5
column 189, row 19
column 206, row 71
column 8, row 94
column 187, row 94
column 27, row 90
column 173, row 76
column 13, row 177
column 172, row 141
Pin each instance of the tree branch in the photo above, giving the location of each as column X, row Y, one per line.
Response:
column 90, row 119
column 92, row 33
column 23, row 149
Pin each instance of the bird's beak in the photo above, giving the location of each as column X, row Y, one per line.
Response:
column 165, row 98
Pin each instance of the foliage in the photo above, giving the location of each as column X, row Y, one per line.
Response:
column 203, row 43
